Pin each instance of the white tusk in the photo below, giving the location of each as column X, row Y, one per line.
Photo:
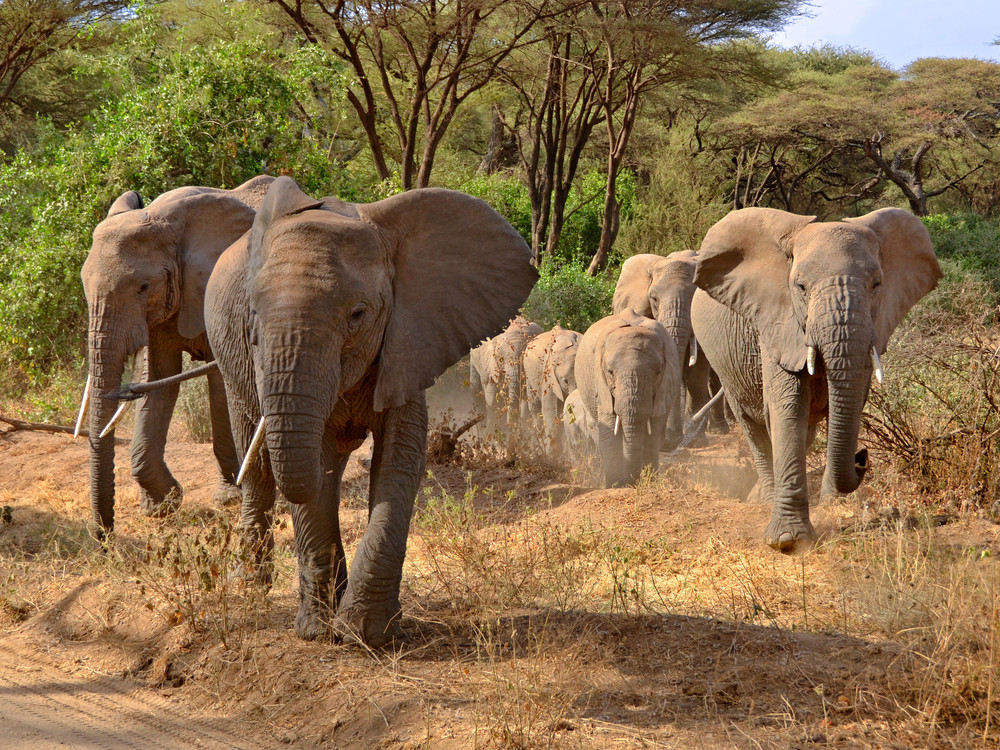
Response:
column 694, row 352
column 649, row 429
column 618, row 422
column 811, row 359
column 83, row 408
column 255, row 441
column 116, row 418
column 877, row 364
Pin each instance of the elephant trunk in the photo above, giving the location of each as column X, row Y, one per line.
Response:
column 634, row 424
column 845, row 351
column 108, row 351
column 294, row 422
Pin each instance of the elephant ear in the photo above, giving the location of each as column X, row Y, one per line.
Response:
column 909, row 266
column 461, row 273
column 743, row 264
column 129, row 201
column 208, row 222
column 632, row 289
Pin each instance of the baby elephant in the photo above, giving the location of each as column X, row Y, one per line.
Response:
column 628, row 374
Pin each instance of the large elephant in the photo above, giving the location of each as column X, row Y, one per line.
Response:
column 661, row 287
column 548, row 379
column 793, row 314
column 328, row 320
column 496, row 374
column 628, row 375
column 144, row 280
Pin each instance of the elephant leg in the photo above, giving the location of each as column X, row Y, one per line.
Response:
column 226, row 491
column 674, row 430
column 370, row 610
column 257, row 505
column 788, row 399
column 609, row 446
column 322, row 563
column 721, row 414
column 651, row 451
column 760, row 449
column 159, row 492
column 551, row 408
column 696, row 387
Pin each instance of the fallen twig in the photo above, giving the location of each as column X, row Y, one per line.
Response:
column 19, row 424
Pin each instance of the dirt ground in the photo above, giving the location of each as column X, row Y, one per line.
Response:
column 539, row 611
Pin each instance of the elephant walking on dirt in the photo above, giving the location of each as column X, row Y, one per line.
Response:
column 145, row 280
column 661, row 287
column 793, row 314
column 328, row 320
column 628, row 376
column 496, row 374
column 549, row 378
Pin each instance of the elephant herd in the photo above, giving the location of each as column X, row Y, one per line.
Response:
column 328, row 320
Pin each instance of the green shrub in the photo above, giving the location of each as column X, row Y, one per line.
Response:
column 566, row 295
column 968, row 245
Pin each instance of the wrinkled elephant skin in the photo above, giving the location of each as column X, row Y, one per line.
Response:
column 792, row 313
column 328, row 321
column 549, row 377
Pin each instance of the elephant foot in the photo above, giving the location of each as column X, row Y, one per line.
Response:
column 226, row 493
column 250, row 575
column 373, row 627
column 790, row 536
column 311, row 624
column 719, row 428
column 161, row 507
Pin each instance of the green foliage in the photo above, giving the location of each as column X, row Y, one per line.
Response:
column 567, row 295
column 968, row 245
column 507, row 196
column 210, row 116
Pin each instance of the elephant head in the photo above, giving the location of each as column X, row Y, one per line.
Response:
column 627, row 368
column 148, row 268
column 367, row 302
column 824, row 298
column 661, row 288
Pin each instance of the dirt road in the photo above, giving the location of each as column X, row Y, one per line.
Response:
column 42, row 707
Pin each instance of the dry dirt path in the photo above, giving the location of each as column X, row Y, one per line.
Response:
column 43, row 707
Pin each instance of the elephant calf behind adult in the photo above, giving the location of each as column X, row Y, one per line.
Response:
column 794, row 314
column 145, row 280
column 628, row 375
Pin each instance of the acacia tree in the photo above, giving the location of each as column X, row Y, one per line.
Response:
column 415, row 64
column 647, row 45
column 32, row 32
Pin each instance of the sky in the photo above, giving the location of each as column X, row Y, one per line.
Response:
column 900, row 31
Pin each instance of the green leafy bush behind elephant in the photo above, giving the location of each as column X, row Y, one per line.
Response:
column 628, row 376
column 794, row 315
column 328, row 321
column 144, row 280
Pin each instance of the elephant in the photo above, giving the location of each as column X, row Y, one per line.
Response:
column 548, row 361
column 628, row 375
column 144, row 280
column 661, row 287
column 495, row 369
column 794, row 314
column 578, row 427
column 329, row 320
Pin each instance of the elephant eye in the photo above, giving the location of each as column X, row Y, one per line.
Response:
column 357, row 315
column 800, row 286
column 143, row 287
column 877, row 283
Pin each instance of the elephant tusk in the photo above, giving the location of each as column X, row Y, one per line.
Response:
column 255, row 441
column 877, row 365
column 116, row 418
column 694, row 352
column 811, row 359
column 83, row 408
column 618, row 423
column 649, row 428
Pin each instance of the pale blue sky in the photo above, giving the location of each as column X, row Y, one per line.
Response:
column 900, row 31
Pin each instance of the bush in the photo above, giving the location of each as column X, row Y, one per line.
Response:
column 567, row 295
column 972, row 244
column 200, row 116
